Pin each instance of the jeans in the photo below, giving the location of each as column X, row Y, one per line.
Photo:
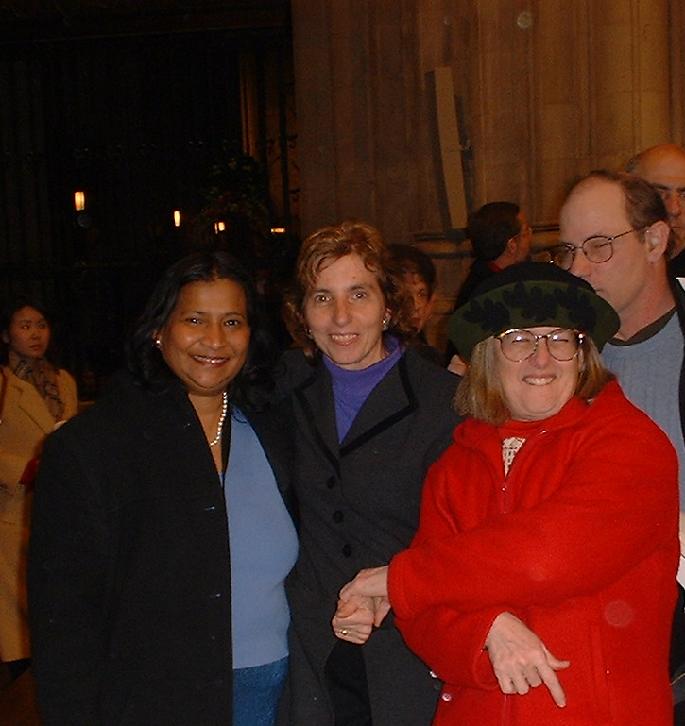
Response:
column 256, row 692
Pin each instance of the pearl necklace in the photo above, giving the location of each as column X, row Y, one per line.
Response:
column 222, row 418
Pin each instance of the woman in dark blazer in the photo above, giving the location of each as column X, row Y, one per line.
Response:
column 370, row 416
column 133, row 595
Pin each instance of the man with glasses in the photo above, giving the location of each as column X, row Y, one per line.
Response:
column 663, row 166
column 615, row 233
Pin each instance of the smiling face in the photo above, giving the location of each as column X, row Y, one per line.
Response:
column 28, row 334
column 205, row 340
column 344, row 312
column 538, row 387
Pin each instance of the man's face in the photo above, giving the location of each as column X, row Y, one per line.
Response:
column 664, row 167
column 597, row 207
column 524, row 238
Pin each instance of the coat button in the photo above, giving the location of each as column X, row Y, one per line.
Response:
column 447, row 697
column 347, row 550
column 338, row 516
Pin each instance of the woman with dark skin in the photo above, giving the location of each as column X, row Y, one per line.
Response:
column 161, row 535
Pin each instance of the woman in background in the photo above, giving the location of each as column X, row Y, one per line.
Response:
column 370, row 416
column 419, row 278
column 35, row 397
column 161, row 537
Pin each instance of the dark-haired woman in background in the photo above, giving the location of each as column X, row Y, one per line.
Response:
column 138, row 614
column 35, row 397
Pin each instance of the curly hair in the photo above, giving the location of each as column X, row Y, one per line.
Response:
column 329, row 244
column 144, row 359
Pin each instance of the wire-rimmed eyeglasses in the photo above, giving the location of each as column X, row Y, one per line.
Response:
column 519, row 344
column 598, row 248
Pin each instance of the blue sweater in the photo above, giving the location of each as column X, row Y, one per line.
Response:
column 264, row 548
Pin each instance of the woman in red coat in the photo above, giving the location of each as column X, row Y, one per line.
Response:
column 541, row 583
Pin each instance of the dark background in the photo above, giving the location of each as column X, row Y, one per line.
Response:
column 146, row 110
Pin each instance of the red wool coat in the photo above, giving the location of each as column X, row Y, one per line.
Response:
column 579, row 540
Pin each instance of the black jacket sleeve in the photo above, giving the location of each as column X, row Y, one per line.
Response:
column 69, row 561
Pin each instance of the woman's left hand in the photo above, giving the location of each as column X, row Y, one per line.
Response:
column 354, row 618
column 372, row 582
column 520, row 659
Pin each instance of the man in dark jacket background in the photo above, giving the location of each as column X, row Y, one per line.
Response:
column 500, row 236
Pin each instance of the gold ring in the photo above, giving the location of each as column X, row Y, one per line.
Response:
column 343, row 632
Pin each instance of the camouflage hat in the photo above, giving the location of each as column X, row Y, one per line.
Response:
column 529, row 295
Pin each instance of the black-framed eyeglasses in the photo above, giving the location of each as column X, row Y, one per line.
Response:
column 519, row 344
column 598, row 248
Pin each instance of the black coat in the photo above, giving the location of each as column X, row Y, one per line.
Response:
column 479, row 272
column 129, row 570
column 359, row 505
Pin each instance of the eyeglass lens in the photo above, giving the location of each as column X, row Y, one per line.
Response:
column 517, row 345
column 596, row 249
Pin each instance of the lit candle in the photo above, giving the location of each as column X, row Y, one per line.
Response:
column 80, row 201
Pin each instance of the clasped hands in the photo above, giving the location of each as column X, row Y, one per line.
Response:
column 362, row 605
column 520, row 660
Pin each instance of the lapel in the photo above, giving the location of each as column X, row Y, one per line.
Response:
column 172, row 427
column 389, row 402
column 30, row 402
column 315, row 397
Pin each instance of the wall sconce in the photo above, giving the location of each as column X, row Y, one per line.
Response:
column 177, row 217
column 219, row 227
column 79, row 201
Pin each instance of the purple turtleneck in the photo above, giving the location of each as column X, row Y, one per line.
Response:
column 352, row 387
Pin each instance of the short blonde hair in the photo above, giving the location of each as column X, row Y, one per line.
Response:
column 480, row 393
column 329, row 244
